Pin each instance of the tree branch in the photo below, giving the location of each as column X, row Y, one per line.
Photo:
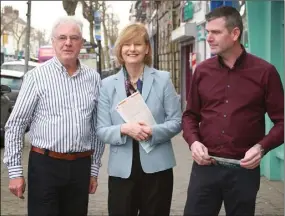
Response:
column 7, row 25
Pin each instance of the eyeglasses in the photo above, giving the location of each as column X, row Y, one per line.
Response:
column 72, row 38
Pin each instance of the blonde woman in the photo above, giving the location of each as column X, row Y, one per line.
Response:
column 139, row 181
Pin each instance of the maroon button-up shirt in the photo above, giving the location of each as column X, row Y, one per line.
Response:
column 226, row 107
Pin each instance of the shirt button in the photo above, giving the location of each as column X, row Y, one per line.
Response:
column 225, row 115
column 228, row 86
column 223, row 131
column 227, row 101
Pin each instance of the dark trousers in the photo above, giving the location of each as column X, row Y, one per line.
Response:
column 58, row 187
column 144, row 193
column 210, row 185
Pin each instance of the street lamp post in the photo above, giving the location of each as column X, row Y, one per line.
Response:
column 28, row 33
column 100, row 53
column 97, row 27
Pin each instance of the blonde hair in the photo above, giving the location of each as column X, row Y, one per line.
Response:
column 130, row 32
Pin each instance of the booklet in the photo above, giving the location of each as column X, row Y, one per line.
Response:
column 226, row 162
column 134, row 109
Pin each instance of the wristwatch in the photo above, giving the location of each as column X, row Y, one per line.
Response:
column 261, row 149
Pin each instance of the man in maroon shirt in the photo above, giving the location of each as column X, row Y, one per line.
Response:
column 225, row 117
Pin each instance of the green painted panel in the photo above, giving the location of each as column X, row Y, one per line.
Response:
column 259, row 24
column 188, row 11
column 266, row 40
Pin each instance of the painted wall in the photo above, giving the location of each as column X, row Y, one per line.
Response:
column 266, row 40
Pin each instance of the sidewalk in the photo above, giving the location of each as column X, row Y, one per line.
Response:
column 270, row 199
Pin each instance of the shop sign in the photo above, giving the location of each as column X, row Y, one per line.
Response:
column 191, row 7
column 188, row 11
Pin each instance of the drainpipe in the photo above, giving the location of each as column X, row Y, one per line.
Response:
column 28, row 33
column 157, row 36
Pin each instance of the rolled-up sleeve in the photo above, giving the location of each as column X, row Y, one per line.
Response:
column 274, row 101
column 192, row 117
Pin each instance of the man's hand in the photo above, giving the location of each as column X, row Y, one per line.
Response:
column 252, row 157
column 200, row 153
column 93, row 185
column 17, row 186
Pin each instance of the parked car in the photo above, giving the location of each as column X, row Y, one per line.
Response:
column 19, row 65
column 13, row 79
column 6, row 108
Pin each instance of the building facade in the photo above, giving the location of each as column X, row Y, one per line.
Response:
column 190, row 36
column 13, row 35
column 160, row 18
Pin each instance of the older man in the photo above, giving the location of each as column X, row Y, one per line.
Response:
column 59, row 100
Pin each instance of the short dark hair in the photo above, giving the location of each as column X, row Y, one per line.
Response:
column 232, row 17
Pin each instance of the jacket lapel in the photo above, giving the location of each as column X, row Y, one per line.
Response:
column 147, row 81
column 120, row 85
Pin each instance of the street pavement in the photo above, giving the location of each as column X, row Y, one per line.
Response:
column 270, row 200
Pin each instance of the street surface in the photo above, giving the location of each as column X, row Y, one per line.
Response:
column 270, row 199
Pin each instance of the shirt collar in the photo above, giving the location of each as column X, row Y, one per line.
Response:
column 238, row 61
column 60, row 66
column 127, row 75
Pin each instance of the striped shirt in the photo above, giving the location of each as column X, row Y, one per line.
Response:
column 61, row 111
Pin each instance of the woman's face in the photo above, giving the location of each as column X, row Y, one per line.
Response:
column 134, row 51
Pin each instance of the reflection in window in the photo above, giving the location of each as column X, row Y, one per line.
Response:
column 20, row 68
column 13, row 82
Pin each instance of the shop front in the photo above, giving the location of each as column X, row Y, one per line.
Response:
column 185, row 35
column 191, row 37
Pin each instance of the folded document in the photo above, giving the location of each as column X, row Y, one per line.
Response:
column 134, row 109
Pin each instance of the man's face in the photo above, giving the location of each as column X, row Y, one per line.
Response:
column 219, row 38
column 67, row 42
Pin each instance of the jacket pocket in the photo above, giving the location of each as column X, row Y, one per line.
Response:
column 113, row 149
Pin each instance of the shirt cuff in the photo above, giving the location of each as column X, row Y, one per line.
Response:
column 95, row 170
column 15, row 171
column 190, row 139
column 264, row 145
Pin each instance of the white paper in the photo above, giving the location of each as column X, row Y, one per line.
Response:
column 134, row 109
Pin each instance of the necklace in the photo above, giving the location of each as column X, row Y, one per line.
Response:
column 134, row 83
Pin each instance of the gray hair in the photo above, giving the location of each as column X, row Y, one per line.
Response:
column 67, row 19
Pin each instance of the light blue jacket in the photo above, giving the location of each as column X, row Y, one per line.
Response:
column 162, row 100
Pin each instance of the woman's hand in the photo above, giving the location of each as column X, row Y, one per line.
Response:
column 139, row 131
column 146, row 128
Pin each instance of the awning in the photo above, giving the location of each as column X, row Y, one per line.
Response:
column 184, row 32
